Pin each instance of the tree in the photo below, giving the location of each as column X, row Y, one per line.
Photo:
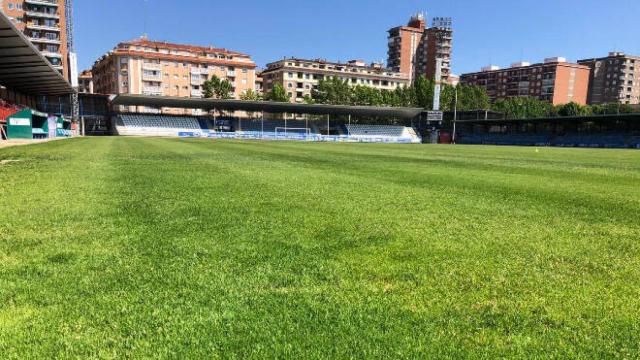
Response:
column 220, row 89
column 424, row 92
column 250, row 95
column 573, row 109
column 523, row 108
column 471, row 97
column 277, row 94
column 224, row 90
column 366, row 96
column 333, row 91
column 405, row 96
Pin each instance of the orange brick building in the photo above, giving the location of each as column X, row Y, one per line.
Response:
column 415, row 49
column 44, row 23
column 555, row 81
column 158, row 68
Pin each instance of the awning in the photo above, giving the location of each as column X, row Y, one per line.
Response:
column 556, row 119
column 23, row 68
column 262, row 106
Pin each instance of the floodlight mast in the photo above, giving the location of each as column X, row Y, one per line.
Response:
column 73, row 63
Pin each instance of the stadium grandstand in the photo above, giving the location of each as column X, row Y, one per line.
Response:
column 25, row 76
column 264, row 120
column 603, row 131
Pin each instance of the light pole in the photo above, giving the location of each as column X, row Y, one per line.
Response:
column 455, row 115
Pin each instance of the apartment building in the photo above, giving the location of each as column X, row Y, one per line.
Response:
column 148, row 67
column 85, row 82
column 614, row 79
column 300, row 76
column 418, row 50
column 44, row 23
column 555, row 80
column 259, row 88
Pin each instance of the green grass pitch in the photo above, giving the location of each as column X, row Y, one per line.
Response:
column 174, row 248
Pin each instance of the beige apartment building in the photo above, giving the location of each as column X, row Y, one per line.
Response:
column 555, row 80
column 614, row 79
column 44, row 23
column 300, row 76
column 164, row 69
column 85, row 82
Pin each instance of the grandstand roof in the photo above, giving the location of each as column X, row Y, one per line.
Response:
column 265, row 106
column 23, row 68
column 558, row 119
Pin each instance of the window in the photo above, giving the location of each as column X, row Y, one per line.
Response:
column 10, row 6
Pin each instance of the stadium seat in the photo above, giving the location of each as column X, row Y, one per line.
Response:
column 155, row 125
column 383, row 131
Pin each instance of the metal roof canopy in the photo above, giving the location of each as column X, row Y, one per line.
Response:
column 23, row 68
column 568, row 119
column 262, row 106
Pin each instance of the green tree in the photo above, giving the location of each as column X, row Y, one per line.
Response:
column 573, row 109
column 424, row 92
column 405, row 96
column 214, row 87
column 523, row 108
column 250, row 95
column 333, row 91
column 472, row 97
column 366, row 96
column 308, row 99
column 277, row 94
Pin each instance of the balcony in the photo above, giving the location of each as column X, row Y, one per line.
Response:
column 53, row 3
column 41, row 14
column 152, row 66
column 231, row 73
column 150, row 90
column 50, row 54
column 151, row 77
column 196, row 81
column 198, row 71
column 32, row 26
column 45, row 41
column 196, row 93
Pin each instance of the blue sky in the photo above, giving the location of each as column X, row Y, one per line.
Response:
column 486, row 32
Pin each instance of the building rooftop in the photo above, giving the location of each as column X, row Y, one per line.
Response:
column 351, row 63
column 524, row 64
column 182, row 47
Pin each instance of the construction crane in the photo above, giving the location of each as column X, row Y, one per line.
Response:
column 73, row 62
